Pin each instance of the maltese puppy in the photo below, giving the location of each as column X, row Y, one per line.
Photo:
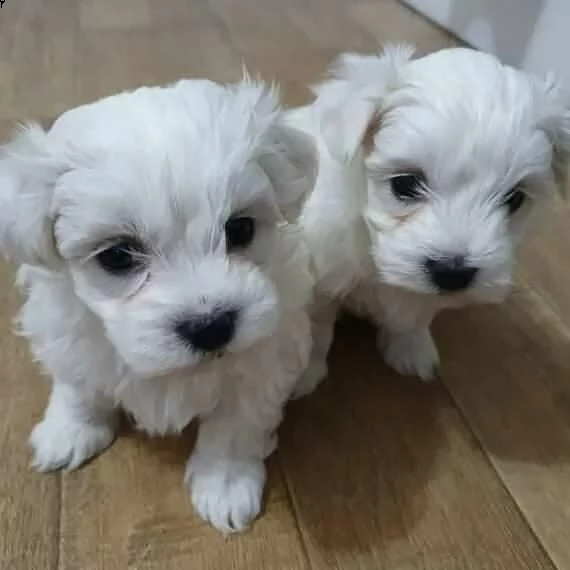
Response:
column 162, row 276
column 429, row 171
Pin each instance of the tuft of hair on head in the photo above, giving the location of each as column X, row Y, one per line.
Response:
column 261, row 99
column 370, row 71
column 287, row 156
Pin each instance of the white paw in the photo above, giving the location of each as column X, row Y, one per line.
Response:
column 411, row 354
column 62, row 442
column 226, row 492
column 313, row 375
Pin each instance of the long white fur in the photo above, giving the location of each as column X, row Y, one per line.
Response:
column 476, row 128
column 168, row 166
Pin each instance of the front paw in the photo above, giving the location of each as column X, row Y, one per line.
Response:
column 63, row 442
column 226, row 492
column 413, row 354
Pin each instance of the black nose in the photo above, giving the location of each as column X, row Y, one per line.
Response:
column 208, row 333
column 450, row 273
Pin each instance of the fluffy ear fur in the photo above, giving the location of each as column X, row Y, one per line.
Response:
column 28, row 174
column 350, row 99
column 287, row 155
column 557, row 126
column 291, row 165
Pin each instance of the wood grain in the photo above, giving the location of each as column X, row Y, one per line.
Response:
column 545, row 258
column 512, row 385
column 130, row 509
column 264, row 35
column 384, row 473
column 374, row 471
column 387, row 22
column 29, row 505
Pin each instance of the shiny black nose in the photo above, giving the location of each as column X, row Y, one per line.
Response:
column 450, row 274
column 208, row 333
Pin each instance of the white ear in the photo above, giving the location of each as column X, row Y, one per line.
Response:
column 284, row 153
column 28, row 174
column 290, row 162
column 351, row 98
column 344, row 130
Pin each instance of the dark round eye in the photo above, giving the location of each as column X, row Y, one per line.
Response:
column 514, row 199
column 120, row 258
column 408, row 187
column 239, row 232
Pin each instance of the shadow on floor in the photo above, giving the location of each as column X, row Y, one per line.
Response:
column 358, row 453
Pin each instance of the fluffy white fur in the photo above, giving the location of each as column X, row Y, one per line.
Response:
column 474, row 129
column 166, row 167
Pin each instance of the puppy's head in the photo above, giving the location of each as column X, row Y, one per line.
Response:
column 165, row 207
column 458, row 151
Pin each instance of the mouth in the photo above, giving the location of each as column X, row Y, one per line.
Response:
column 214, row 356
column 204, row 363
column 452, row 294
column 425, row 288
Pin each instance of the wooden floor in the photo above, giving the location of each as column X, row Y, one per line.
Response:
column 374, row 471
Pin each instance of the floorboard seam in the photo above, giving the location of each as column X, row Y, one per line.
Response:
column 226, row 30
column 546, row 304
column 295, row 510
column 499, row 476
column 58, row 556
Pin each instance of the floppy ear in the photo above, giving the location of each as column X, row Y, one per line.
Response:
column 290, row 162
column 286, row 154
column 351, row 98
column 557, row 127
column 28, row 174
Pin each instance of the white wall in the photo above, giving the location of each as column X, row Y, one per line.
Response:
column 531, row 34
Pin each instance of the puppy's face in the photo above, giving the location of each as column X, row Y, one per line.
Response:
column 167, row 216
column 459, row 151
column 175, row 261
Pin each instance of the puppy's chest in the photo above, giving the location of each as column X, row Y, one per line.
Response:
column 168, row 404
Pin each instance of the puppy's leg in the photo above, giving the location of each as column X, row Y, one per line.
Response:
column 75, row 427
column 322, row 330
column 405, row 339
column 226, row 472
column 411, row 353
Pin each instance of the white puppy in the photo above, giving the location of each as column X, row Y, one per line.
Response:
column 162, row 276
column 429, row 171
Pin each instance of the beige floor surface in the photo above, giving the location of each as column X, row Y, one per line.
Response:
column 374, row 471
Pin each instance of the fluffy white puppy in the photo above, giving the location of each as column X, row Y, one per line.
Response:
column 162, row 276
column 429, row 171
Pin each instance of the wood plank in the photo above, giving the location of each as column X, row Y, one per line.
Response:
column 180, row 43
column 37, row 58
column 114, row 14
column 271, row 45
column 29, row 503
column 130, row 509
column 388, row 22
column 545, row 258
column 508, row 369
column 333, row 30
column 385, row 474
column 150, row 58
